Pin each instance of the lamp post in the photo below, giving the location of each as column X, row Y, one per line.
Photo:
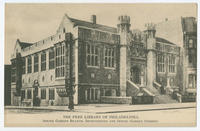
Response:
column 69, row 70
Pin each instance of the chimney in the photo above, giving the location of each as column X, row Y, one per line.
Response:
column 93, row 19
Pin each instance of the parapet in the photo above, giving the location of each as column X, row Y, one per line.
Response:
column 124, row 19
column 150, row 26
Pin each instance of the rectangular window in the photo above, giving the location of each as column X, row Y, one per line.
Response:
column 23, row 65
column 192, row 81
column 13, row 71
column 29, row 64
column 172, row 63
column 29, row 94
column 160, row 63
column 92, row 55
column 51, row 94
column 51, row 59
column 43, row 61
column 36, row 63
column 43, row 93
column 60, row 61
column 23, row 94
column 109, row 60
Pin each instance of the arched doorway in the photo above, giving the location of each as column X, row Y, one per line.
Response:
column 135, row 75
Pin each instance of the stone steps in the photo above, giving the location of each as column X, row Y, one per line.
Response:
column 163, row 99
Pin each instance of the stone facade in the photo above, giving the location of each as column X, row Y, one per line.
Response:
column 106, row 62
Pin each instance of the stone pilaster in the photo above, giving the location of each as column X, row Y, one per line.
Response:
column 123, row 30
column 151, row 57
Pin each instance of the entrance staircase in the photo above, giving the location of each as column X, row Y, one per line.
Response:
column 155, row 91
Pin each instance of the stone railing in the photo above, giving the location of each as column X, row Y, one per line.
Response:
column 132, row 88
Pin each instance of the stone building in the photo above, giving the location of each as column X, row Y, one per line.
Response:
column 108, row 65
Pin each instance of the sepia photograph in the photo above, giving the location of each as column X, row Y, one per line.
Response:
column 100, row 65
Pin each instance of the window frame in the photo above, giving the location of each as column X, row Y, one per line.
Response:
column 51, row 59
column 29, row 66
column 60, row 60
column 36, row 64
column 172, row 64
column 51, row 96
column 43, row 61
column 161, row 64
column 109, row 57
column 43, row 93
column 93, row 55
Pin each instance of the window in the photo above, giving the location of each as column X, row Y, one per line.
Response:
column 43, row 93
column 109, row 57
column 23, row 66
column 23, row 94
column 29, row 94
column 92, row 55
column 172, row 64
column 36, row 63
column 51, row 59
column 51, row 94
column 160, row 63
column 43, row 61
column 192, row 81
column 192, row 52
column 13, row 71
column 60, row 60
column 29, row 64
column 191, row 43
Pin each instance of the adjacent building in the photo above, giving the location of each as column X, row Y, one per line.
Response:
column 105, row 64
column 7, row 85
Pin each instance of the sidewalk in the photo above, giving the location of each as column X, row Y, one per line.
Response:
column 109, row 108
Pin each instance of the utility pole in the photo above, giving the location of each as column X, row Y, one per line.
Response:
column 69, row 70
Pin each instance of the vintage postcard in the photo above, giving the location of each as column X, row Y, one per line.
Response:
column 100, row 65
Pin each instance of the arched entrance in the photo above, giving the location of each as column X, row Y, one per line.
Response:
column 135, row 75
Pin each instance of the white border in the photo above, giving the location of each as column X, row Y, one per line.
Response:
column 2, row 36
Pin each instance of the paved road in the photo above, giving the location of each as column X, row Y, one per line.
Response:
column 173, row 117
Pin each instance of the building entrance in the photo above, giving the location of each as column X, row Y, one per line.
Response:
column 135, row 75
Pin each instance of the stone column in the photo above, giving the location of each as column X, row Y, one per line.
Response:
column 47, row 93
column 39, row 62
column 32, row 64
column 151, row 57
column 124, row 69
column 86, row 95
column 98, row 94
column 26, row 65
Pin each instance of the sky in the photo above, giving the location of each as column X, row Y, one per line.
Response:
column 34, row 22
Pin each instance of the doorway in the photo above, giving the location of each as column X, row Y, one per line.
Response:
column 135, row 75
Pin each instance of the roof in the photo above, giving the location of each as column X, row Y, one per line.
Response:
column 159, row 39
column 92, row 25
column 24, row 44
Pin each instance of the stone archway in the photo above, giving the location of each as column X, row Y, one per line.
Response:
column 136, row 75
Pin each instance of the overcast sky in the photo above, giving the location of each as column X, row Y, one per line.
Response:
column 33, row 22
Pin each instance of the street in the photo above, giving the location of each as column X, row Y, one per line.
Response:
column 172, row 117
